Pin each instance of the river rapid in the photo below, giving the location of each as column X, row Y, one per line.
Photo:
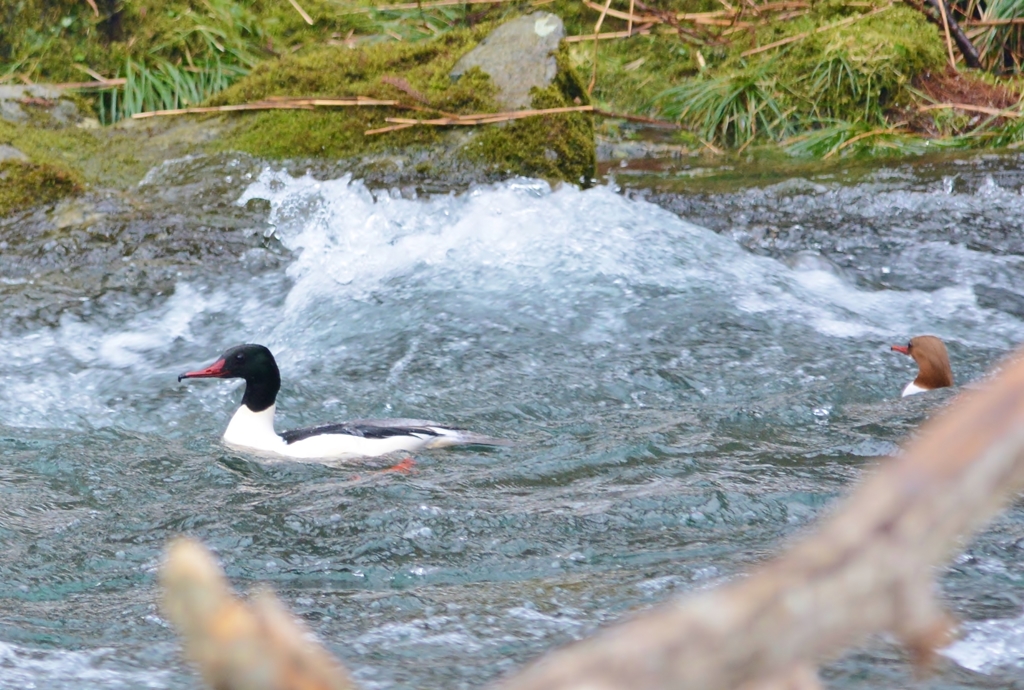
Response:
column 690, row 377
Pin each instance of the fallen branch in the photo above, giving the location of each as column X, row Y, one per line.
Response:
column 820, row 29
column 273, row 103
column 967, row 49
column 639, row 118
column 972, row 108
column 240, row 646
column 98, row 84
column 606, row 36
column 950, row 26
column 991, row 22
column 476, row 119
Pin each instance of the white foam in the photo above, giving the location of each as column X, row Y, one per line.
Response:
column 566, row 268
column 523, row 235
column 989, row 645
column 22, row 667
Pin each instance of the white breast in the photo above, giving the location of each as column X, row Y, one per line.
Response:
column 913, row 388
column 254, row 430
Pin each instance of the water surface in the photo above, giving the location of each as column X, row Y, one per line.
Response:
column 689, row 379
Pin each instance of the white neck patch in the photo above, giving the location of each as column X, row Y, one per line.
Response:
column 248, row 429
column 913, row 388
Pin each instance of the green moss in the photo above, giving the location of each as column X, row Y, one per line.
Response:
column 850, row 75
column 338, row 133
column 89, row 156
column 26, row 184
column 187, row 50
column 553, row 146
column 859, row 70
column 557, row 146
column 632, row 72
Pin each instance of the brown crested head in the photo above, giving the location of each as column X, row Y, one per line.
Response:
column 932, row 361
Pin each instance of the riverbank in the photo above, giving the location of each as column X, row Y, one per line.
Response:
column 694, row 79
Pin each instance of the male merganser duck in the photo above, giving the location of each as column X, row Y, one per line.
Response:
column 252, row 426
column 933, row 369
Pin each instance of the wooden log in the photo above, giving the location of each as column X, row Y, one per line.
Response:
column 240, row 646
column 868, row 569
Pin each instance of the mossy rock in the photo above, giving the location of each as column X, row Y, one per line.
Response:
column 557, row 146
column 554, row 146
column 24, row 184
column 861, row 69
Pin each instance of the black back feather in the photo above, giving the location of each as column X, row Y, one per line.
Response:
column 355, row 429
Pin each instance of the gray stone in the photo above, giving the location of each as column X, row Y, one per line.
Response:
column 12, row 98
column 16, row 93
column 65, row 113
column 518, row 56
column 9, row 153
column 12, row 112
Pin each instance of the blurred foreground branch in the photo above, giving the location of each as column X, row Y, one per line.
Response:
column 238, row 645
column 868, row 569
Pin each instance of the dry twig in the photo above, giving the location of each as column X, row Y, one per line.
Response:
column 972, row 108
column 302, row 12
column 99, row 84
column 274, row 103
column 991, row 22
column 607, row 35
column 476, row 118
column 945, row 29
column 639, row 118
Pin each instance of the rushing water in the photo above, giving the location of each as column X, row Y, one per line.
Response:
column 685, row 394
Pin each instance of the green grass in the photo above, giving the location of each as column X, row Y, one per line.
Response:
column 842, row 82
column 1001, row 48
column 162, row 85
column 732, row 109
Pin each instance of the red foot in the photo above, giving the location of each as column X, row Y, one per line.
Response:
column 404, row 467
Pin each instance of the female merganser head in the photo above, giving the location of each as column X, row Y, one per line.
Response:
column 933, row 370
column 252, row 426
